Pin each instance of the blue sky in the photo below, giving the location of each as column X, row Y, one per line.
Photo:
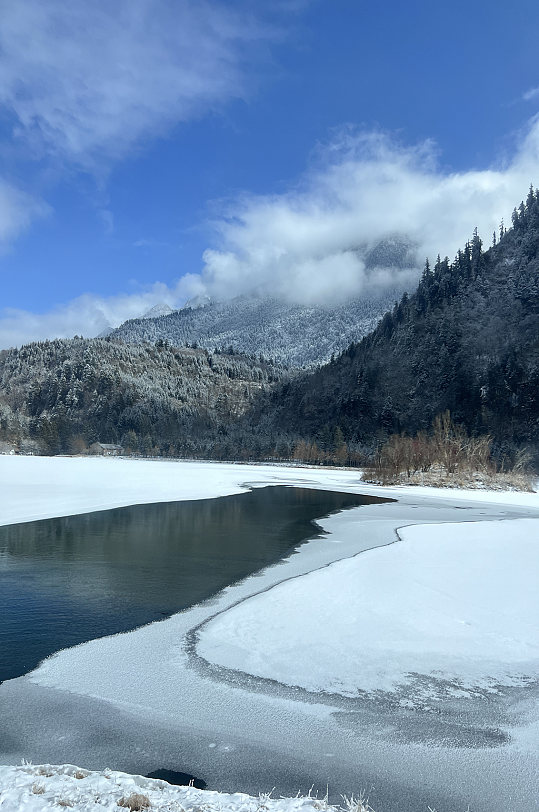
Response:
column 153, row 150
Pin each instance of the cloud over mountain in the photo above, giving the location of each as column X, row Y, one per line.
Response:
column 310, row 243
column 86, row 315
column 314, row 243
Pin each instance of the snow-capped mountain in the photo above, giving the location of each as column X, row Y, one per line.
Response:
column 160, row 309
column 293, row 334
column 299, row 335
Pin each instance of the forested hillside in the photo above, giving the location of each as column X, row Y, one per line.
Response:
column 466, row 341
column 293, row 334
column 63, row 395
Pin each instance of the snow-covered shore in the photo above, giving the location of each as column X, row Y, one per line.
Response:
column 152, row 686
column 35, row 788
column 46, row 487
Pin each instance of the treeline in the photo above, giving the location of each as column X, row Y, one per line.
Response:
column 467, row 341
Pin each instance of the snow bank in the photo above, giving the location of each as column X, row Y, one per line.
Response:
column 31, row 788
column 45, row 487
column 528, row 499
column 455, row 601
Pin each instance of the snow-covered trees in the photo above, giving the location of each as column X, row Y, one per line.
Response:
column 66, row 394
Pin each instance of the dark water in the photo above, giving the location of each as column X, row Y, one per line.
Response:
column 64, row 581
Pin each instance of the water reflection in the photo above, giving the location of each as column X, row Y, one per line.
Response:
column 67, row 580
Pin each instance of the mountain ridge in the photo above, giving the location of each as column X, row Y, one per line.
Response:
column 292, row 334
column 276, row 325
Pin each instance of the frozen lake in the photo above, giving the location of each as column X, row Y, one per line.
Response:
column 181, row 695
column 71, row 579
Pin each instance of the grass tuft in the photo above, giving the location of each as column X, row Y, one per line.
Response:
column 135, row 802
column 353, row 804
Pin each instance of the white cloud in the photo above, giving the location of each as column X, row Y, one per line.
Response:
column 309, row 244
column 364, row 188
column 89, row 314
column 88, row 80
column 17, row 210
column 532, row 93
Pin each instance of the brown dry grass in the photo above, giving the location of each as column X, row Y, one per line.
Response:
column 135, row 802
column 448, row 457
column 438, row 477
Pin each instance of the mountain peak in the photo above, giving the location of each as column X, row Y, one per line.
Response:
column 197, row 301
column 160, row 309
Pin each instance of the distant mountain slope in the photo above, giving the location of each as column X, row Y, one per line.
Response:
column 296, row 335
column 467, row 340
column 157, row 310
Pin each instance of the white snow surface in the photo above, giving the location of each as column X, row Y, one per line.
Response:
column 46, row 487
column 455, row 601
column 30, row 788
column 438, row 576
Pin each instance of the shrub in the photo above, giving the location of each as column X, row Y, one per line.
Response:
column 446, row 456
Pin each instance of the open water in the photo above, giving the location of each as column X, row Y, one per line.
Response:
column 68, row 580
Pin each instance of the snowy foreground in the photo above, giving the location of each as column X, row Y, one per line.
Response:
column 398, row 655
column 30, row 788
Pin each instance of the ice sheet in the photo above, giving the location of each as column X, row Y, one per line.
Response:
column 140, row 700
column 457, row 601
